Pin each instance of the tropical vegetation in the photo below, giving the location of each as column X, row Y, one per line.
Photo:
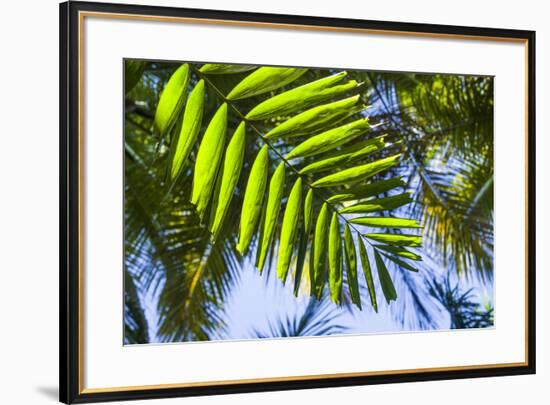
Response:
column 346, row 186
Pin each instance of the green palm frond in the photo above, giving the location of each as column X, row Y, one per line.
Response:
column 447, row 123
column 166, row 248
column 316, row 128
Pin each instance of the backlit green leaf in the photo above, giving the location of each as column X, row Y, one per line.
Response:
column 318, row 253
column 172, row 100
column 351, row 266
column 208, row 159
column 358, row 173
column 276, row 190
column 368, row 190
column 383, row 222
column 396, row 239
column 231, row 171
column 368, row 273
column 304, row 237
column 253, row 198
column 192, row 120
column 289, row 229
column 378, row 204
column 335, row 260
column 399, row 251
column 345, row 156
column 219, row 69
column 301, row 97
column 263, row 80
column 317, row 118
column 330, row 139
column 385, row 279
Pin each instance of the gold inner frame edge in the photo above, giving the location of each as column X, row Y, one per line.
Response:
column 122, row 16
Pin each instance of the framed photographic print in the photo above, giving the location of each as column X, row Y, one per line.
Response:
column 254, row 202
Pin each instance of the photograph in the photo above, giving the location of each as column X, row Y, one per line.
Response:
column 265, row 202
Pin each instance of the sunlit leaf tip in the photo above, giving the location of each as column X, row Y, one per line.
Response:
column 208, row 160
column 253, row 198
column 289, row 229
column 386, row 222
column 330, row 139
column 335, row 260
column 396, row 239
column 317, row 118
column 172, row 99
column 263, row 80
column 192, row 120
column 319, row 252
column 358, row 173
column 302, row 97
column 219, row 69
column 275, row 195
column 232, row 166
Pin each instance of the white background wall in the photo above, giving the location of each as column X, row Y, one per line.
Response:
column 29, row 201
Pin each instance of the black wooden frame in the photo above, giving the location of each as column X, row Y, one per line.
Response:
column 69, row 203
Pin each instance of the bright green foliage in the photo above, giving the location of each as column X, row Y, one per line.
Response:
column 379, row 204
column 192, row 119
column 253, row 198
column 358, row 173
column 316, row 118
column 304, row 237
column 133, row 70
column 172, row 100
column 332, row 134
column 443, row 119
column 368, row 190
column 308, row 210
column 330, row 139
column 301, row 97
column 276, row 190
column 385, row 222
column 208, row 159
column 399, row 251
column 351, row 266
column 385, row 279
column 345, row 156
column 220, row 69
column 396, row 239
column 335, row 260
column 289, row 229
column 365, row 263
column 263, row 80
column 232, row 167
column 319, row 251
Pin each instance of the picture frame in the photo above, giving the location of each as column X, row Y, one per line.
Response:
column 75, row 266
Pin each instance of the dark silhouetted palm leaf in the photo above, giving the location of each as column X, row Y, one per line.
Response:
column 319, row 318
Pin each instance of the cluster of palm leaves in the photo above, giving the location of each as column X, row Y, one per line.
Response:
column 285, row 167
column 463, row 309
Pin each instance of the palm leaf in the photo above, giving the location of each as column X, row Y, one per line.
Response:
column 333, row 140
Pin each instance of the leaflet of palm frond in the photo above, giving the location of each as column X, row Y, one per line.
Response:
column 171, row 234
